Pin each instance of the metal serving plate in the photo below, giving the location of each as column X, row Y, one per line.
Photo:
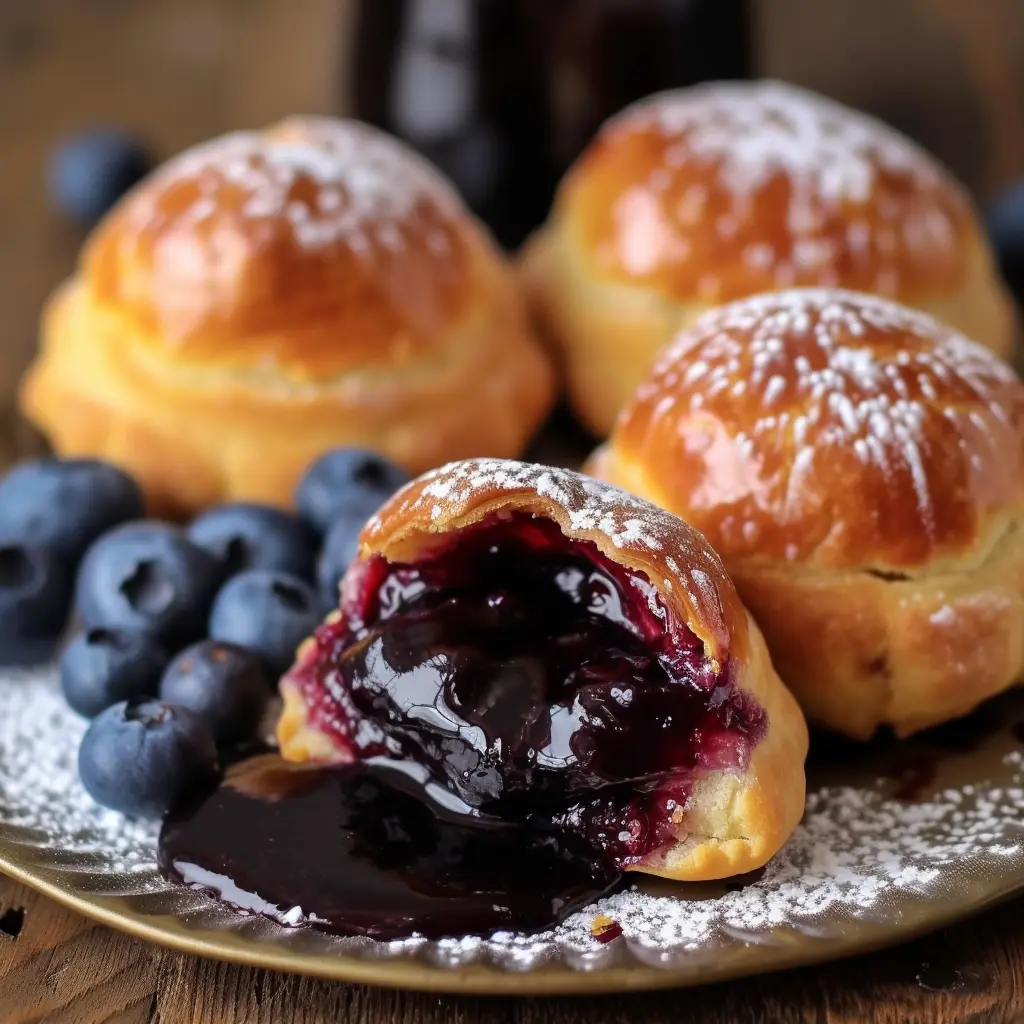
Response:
column 898, row 838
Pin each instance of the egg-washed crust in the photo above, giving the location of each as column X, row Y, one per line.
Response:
column 703, row 195
column 734, row 821
column 267, row 295
column 860, row 468
column 831, row 428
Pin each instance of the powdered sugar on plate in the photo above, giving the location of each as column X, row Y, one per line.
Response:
column 860, row 859
column 39, row 785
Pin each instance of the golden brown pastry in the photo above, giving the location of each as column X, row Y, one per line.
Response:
column 860, row 468
column 699, row 196
column 534, row 638
column 268, row 295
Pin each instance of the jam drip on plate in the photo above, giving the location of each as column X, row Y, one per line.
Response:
column 365, row 850
column 524, row 720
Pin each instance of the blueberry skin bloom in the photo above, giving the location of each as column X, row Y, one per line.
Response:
column 35, row 598
column 344, row 481
column 100, row 667
column 141, row 757
column 244, row 535
column 341, row 545
column 90, row 171
column 225, row 685
column 148, row 577
column 268, row 613
column 66, row 504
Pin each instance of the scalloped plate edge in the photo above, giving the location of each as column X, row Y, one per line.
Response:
column 483, row 979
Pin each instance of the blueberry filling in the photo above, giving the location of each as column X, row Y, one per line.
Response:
column 536, row 679
column 364, row 850
column 524, row 720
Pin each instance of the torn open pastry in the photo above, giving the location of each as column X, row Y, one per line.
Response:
column 860, row 469
column 545, row 647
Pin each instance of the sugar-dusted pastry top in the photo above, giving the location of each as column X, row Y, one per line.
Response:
column 829, row 426
column 313, row 245
column 683, row 569
column 722, row 190
column 267, row 296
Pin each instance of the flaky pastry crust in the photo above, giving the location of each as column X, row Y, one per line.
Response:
column 734, row 821
column 860, row 468
column 699, row 196
column 268, row 295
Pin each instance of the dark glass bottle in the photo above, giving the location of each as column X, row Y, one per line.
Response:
column 504, row 94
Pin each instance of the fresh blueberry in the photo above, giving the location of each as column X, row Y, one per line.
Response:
column 225, row 685
column 89, row 172
column 268, row 613
column 100, row 667
column 148, row 577
column 245, row 536
column 65, row 504
column 1006, row 226
column 35, row 598
column 340, row 547
column 344, row 480
column 141, row 756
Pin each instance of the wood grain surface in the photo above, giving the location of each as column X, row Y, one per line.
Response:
column 177, row 72
column 58, row 967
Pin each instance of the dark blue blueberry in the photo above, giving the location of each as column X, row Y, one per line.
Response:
column 340, row 547
column 245, row 536
column 1006, row 226
column 268, row 613
column 141, row 757
column 148, row 577
column 344, row 481
column 65, row 504
column 35, row 598
column 225, row 685
column 89, row 172
column 100, row 667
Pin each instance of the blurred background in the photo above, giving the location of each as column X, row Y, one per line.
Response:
column 502, row 94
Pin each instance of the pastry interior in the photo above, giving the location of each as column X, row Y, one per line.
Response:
column 531, row 676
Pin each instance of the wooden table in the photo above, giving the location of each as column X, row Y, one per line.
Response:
column 59, row 967
column 179, row 72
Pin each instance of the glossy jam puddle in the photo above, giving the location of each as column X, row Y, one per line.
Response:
column 364, row 850
column 533, row 718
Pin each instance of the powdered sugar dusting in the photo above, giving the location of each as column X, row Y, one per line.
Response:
column 833, row 158
column 589, row 504
column 828, row 374
column 39, row 785
column 858, row 858
column 329, row 180
column 759, row 129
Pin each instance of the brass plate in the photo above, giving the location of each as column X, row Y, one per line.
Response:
column 864, row 870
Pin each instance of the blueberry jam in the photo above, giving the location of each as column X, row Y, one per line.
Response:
column 537, row 691
column 365, row 850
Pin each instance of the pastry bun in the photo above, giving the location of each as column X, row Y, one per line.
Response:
column 738, row 812
column 860, row 468
column 700, row 196
column 268, row 295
